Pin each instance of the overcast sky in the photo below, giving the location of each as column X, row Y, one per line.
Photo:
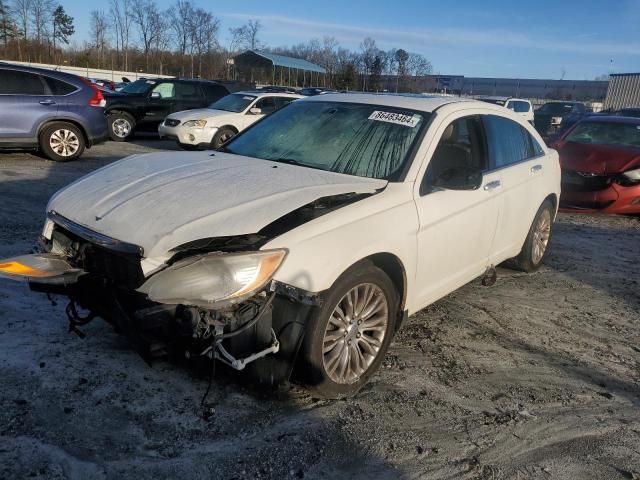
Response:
column 579, row 39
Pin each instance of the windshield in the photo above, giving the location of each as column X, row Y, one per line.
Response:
column 235, row 102
column 606, row 133
column 355, row 139
column 556, row 108
column 139, row 86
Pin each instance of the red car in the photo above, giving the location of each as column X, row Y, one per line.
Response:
column 600, row 160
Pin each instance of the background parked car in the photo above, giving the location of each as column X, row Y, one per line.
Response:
column 600, row 160
column 142, row 105
column 518, row 105
column 629, row 112
column 552, row 118
column 311, row 91
column 212, row 126
column 56, row 113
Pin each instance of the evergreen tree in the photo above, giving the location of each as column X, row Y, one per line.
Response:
column 8, row 29
column 62, row 26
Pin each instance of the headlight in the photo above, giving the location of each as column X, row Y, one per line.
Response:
column 215, row 278
column 195, row 123
column 633, row 175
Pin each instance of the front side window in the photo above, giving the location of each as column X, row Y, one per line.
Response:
column 509, row 142
column 267, row 105
column 14, row 82
column 138, row 87
column 236, row 102
column 355, row 139
column 166, row 90
column 606, row 133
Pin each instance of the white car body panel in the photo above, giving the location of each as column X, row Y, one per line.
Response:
column 160, row 201
column 443, row 239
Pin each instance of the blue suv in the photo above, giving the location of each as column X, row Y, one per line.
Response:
column 57, row 113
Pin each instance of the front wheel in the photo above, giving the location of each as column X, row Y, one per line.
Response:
column 222, row 136
column 537, row 241
column 348, row 337
column 61, row 142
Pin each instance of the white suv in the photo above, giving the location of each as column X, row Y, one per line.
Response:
column 212, row 126
column 306, row 239
column 522, row 107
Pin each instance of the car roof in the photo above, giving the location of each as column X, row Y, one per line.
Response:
column 425, row 103
column 69, row 77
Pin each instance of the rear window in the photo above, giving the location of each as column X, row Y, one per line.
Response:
column 58, row 87
column 606, row 133
column 556, row 108
column 14, row 82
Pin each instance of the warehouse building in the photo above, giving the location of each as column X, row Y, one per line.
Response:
column 623, row 92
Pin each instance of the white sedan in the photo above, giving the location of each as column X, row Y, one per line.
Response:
column 305, row 240
column 212, row 126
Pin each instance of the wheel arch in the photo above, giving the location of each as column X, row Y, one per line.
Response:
column 73, row 122
column 230, row 127
column 553, row 198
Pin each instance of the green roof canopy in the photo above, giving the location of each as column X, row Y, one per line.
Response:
column 286, row 62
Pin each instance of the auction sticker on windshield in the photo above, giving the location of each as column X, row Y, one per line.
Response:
column 397, row 118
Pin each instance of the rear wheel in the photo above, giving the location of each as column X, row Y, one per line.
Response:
column 535, row 246
column 121, row 126
column 348, row 336
column 61, row 141
column 222, row 136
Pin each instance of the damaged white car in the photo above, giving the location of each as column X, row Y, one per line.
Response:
column 307, row 239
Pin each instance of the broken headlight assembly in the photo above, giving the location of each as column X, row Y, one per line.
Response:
column 214, row 279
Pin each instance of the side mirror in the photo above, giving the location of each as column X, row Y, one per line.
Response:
column 156, row 95
column 459, row 178
column 255, row 111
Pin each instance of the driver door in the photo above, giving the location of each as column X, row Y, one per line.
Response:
column 160, row 103
column 457, row 227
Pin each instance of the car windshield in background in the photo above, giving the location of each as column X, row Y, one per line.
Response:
column 355, row 139
column 233, row 103
column 556, row 108
column 139, row 86
column 604, row 133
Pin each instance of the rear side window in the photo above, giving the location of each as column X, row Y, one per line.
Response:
column 214, row 92
column 509, row 142
column 187, row 91
column 58, row 87
column 13, row 82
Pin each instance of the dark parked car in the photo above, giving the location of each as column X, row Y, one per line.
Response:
column 142, row 105
column 56, row 113
column 629, row 112
column 600, row 160
column 554, row 117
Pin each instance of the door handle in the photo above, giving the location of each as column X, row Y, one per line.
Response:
column 493, row 185
column 536, row 168
column 47, row 102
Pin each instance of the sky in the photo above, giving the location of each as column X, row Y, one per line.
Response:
column 571, row 39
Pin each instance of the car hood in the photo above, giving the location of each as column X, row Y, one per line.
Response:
column 159, row 201
column 201, row 113
column 597, row 159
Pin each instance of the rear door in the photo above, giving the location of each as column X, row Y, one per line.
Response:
column 25, row 103
column 519, row 159
column 189, row 96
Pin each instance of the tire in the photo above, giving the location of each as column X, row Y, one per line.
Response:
column 222, row 136
column 61, row 141
column 121, row 125
column 537, row 242
column 322, row 370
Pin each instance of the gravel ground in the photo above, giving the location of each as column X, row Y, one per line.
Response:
column 535, row 377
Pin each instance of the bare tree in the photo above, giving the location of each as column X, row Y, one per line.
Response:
column 203, row 35
column 181, row 14
column 41, row 19
column 146, row 17
column 99, row 26
column 246, row 36
column 122, row 19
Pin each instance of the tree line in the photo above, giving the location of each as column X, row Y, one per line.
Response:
column 184, row 40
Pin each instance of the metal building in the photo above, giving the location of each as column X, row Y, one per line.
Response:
column 269, row 68
column 623, row 92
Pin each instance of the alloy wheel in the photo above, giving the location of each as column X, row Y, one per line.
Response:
column 541, row 236
column 355, row 333
column 64, row 143
column 121, row 127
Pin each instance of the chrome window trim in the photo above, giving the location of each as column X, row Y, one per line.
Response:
column 94, row 237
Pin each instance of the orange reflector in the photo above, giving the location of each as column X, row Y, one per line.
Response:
column 17, row 268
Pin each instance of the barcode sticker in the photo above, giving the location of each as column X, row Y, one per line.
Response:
column 397, row 118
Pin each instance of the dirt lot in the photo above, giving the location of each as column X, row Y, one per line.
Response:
column 536, row 377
